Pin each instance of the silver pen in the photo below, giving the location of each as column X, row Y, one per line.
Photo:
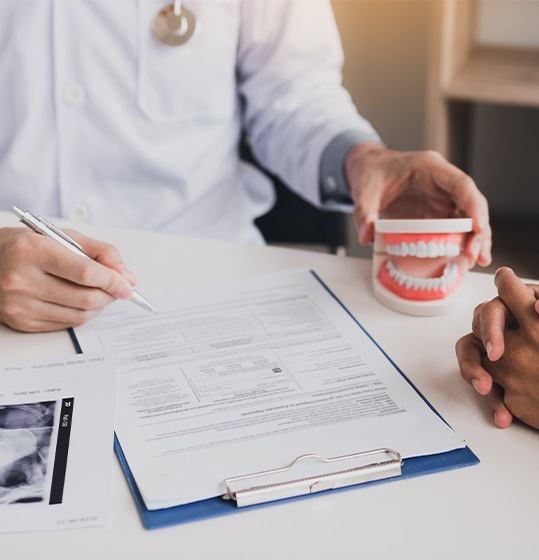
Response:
column 44, row 227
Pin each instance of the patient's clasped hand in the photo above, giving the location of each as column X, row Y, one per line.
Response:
column 500, row 357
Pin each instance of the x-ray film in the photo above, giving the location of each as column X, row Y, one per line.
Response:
column 55, row 451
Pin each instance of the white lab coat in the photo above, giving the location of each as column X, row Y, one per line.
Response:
column 100, row 122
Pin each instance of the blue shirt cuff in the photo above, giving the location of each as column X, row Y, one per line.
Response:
column 334, row 188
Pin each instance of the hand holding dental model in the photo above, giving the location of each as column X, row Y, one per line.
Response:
column 500, row 357
column 432, row 213
column 416, row 185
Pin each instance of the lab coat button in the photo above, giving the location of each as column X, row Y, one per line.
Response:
column 79, row 213
column 74, row 94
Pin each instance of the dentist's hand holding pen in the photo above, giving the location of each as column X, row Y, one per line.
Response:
column 57, row 280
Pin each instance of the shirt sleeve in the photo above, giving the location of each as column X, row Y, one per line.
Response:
column 295, row 109
column 334, row 187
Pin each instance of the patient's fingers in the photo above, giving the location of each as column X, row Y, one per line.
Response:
column 488, row 325
column 469, row 353
column 502, row 415
column 519, row 298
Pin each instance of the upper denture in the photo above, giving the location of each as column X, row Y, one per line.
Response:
column 423, row 246
column 424, row 250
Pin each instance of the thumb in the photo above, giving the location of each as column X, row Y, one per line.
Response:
column 103, row 253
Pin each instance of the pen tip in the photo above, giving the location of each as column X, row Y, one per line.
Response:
column 141, row 302
column 148, row 307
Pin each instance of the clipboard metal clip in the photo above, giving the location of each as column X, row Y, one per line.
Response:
column 315, row 474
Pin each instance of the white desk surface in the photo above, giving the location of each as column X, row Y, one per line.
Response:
column 487, row 511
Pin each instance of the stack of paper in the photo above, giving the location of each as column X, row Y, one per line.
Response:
column 245, row 378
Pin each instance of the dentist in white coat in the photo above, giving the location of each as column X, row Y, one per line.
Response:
column 101, row 122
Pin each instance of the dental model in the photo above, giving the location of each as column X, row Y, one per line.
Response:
column 417, row 265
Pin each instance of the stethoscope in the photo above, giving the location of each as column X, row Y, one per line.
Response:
column 174, row 24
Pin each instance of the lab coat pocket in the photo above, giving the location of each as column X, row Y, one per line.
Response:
column 196, row 80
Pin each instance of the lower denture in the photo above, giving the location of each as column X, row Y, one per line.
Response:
column 419, row 293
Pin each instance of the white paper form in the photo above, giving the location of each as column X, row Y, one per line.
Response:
column 56, row 441
column 245, row 378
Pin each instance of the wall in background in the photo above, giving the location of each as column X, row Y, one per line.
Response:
column 508, row 23
column 386, row 42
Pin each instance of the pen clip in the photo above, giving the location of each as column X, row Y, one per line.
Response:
column 60, row 233
column 29, row 220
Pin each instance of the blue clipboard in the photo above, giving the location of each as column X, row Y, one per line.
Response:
column 216, row 507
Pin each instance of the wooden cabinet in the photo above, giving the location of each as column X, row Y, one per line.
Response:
column 463, row 72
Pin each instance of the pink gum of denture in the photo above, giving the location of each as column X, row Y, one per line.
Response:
column 394, row 238
column 415, row 294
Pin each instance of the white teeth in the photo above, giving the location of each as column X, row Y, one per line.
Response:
column 452, row 250
column 451, row 273
column 404, row 249
column 423, row 250
column 448, row 278
column 432, row 250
